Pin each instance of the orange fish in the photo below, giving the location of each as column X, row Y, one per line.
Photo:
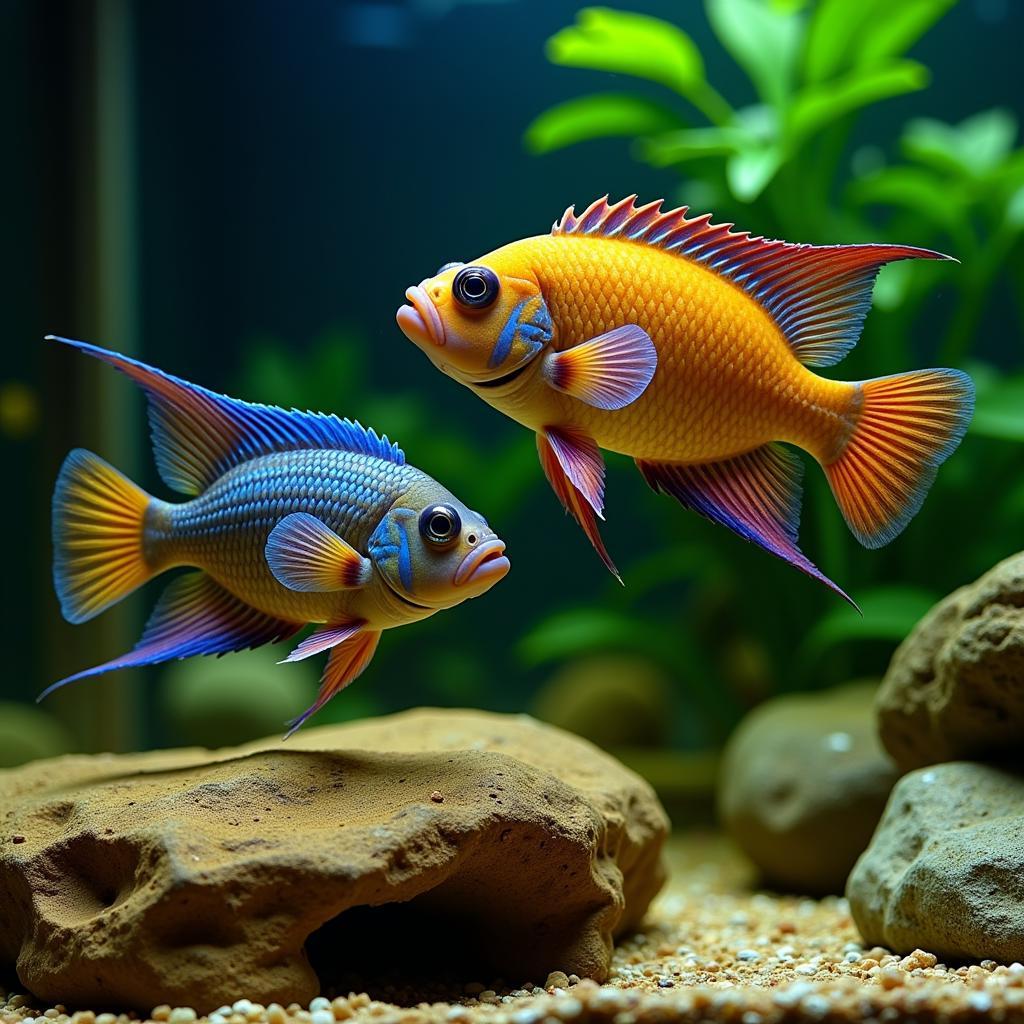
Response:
column 687, row 346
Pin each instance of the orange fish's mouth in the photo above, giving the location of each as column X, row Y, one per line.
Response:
column 420, row 322
column 485, row 564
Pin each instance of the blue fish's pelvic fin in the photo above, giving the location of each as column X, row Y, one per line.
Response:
column 345, row 664
column 194, row 615
column 574, row 467
column 198, row 435
column 324, row 639
column 98, row 521
column 756, row 495
column 818, row 295
column 609, row 372
column 307, row 555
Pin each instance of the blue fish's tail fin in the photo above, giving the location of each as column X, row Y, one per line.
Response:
column 907, row 426
column 98, row 520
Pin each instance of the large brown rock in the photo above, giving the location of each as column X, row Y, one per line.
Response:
column 194, row 878
column 955, row 687
column 945, row 869
column 802, row 785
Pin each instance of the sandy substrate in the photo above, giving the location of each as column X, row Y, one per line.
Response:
column 711, row 951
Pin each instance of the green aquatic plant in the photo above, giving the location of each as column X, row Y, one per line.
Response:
column 812, row 68
column 784, row 165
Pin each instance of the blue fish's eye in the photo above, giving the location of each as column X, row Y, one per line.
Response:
column 448, row 266
column 476, row 287
column 440, row 524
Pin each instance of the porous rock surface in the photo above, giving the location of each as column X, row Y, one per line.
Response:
column 803, row 783
column 945, row 869
column 955, row 687
column 190, row 877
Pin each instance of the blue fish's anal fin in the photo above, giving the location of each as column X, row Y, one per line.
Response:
column 756, row 495
column 198, row 435
column 195, row 615
column 573, row 464
column 345, row 664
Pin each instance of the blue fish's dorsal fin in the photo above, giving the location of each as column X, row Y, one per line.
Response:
column 199, row 435
column 818, row 295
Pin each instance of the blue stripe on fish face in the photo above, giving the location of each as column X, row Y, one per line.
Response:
column 404, row 560
column 503, row 345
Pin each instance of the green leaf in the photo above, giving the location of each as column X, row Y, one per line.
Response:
column 833, row 35
column 602, row 115
column 895, row 32
column 690, row 144
column 821, row 105
column 844, row 34
column 913, row 188
column 974, row 147
column 750, row 171
column 889, row 613
column 999, row 410
column 630, row 44
column 1014, row 215
column 763, row 40
column 584, row 630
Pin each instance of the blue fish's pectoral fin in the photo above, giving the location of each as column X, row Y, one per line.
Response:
column 756, row 495
column 199, row 435
column 305, row 554
column 195, row 615
column 609, row 372
column 347, row 660
column 574, row 467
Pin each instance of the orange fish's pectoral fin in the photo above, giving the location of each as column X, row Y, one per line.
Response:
column 305, row 554
column 756, row 495
column 608, row 372
column 352, row 649
column 195, row 615
column 574, row 467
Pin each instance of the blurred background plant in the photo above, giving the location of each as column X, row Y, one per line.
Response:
column 251, row 217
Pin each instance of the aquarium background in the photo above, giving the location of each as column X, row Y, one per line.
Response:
column 240, row 193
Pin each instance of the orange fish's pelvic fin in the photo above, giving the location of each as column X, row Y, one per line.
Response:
column 346, row 663
column 609, row 372
column 307, row 555
column 195, row 615
column 756, row 495
column 906, row 427
column 573, row 464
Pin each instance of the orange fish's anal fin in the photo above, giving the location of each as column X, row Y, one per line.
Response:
column 195, row 615
column 756, row 495
column 609, row 372
column 574, row 467
column 351, row 652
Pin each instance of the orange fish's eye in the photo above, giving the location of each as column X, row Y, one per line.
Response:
column 476, row 287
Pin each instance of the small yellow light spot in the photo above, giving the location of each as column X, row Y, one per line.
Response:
column 19, row 409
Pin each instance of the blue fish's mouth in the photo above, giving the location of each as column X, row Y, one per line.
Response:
column 486, row 564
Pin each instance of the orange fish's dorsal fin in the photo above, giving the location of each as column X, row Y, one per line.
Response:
column 818, row 295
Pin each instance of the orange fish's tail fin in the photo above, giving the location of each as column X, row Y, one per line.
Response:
column 98, row 519
column 907, row 426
